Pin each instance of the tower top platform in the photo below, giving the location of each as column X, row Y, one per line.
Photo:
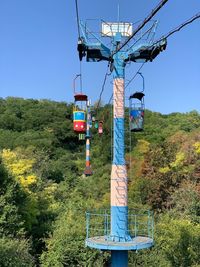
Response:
column 139, row 234
column 103, row 243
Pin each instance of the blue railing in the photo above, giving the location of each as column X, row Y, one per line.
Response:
column 140, row 223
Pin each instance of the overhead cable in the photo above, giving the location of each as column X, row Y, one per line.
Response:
column 79, row 35
column 135, row 75
column 77, row 18
column 178, row 28
column 103, row 87
column 147, row 31
column 129, row 81
column 81, row 80
column 147, row 19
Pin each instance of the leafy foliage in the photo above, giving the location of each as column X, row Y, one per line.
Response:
column 44, row 195
column 15, row 253
column 177, row 244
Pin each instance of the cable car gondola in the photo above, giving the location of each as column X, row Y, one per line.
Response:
column 96, row 124
column 100, row 127
column 79, row 114
column 79, row 111
column 136, row 101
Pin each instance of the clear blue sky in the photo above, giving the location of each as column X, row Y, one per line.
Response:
column 38, row 57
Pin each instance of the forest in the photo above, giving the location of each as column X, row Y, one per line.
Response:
column 44, row 194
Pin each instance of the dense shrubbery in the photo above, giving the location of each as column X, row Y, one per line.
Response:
column 43, row 195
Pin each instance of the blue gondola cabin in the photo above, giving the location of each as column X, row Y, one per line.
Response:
column 136, row 112
column 79, row 121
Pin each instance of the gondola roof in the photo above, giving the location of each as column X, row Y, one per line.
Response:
column 138, row 95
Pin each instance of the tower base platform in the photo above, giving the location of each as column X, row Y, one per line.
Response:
column 103, row 243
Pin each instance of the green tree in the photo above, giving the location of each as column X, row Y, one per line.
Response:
column 66, row 246
column 15, row 253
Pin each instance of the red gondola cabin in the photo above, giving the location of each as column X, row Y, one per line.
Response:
column 100, row 129
column 79, row 115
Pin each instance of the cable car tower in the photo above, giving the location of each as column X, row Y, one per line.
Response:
column 122, row 230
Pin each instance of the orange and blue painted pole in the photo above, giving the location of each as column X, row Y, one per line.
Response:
column 88, row 170
column 119, row 203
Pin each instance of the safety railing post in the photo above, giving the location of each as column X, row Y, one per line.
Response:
column 87, row 224
column 152, row 226
column 105, row 223
column 135, row 225
column 148, row 223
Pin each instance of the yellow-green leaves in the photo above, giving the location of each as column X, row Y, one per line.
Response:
column 143, row 146
column 197, row 147
column 180, row 157
column 178, row 162
column 164, row 170
column 19, row 166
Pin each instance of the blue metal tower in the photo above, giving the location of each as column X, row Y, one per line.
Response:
column 118, row 230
